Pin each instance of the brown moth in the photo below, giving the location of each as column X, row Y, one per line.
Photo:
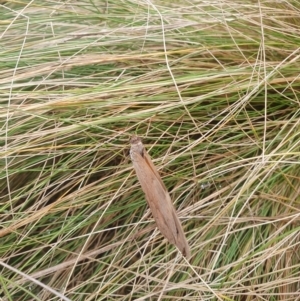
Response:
column 158, row 197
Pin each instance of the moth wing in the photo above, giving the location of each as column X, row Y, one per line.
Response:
column 153, row 168
column 160, row 202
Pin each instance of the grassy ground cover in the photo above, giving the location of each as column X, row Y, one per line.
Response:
column 213, row 89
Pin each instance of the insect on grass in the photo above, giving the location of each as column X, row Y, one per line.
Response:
column 157, row 197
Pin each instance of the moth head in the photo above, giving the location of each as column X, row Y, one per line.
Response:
column 135, row 139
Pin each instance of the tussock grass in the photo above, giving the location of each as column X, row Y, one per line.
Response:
column 211, row 86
